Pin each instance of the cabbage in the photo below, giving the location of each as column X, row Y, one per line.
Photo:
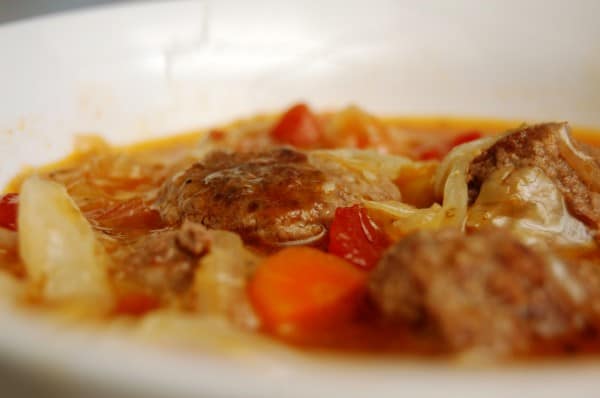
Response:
column 450, row 187
column 370, row 163
column 352, row 127
column 220, row 280
column 406, row 218
column 210, row 334
column 528, row 202
column 58, row 246
column 451, row 180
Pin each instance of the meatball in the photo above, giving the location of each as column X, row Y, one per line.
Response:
column 550, row 148
column 276, row 197
column 480, row 291
column 164, row 262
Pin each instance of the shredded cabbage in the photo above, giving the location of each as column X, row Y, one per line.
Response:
column 368, row 162
column 450, row 187
column 451, row 180
column 352, row 127
column 530, row 204
column 406, row 218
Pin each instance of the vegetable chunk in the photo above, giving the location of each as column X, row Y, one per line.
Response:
column 302, row 287
column 58, row 246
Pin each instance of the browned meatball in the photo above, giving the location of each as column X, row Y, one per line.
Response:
column 164, row 262
column 551, row 148
column 276, row 197
column 485, row 290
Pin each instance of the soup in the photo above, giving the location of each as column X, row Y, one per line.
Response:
column 340, row 231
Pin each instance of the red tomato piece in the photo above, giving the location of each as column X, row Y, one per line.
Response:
column 431, row 154
column 216, row 135
column 136, row 304
column 355, row 237
column 9, row 205
column 465, row 137
column 298, row 127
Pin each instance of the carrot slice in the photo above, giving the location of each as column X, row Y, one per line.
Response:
column 302, row 288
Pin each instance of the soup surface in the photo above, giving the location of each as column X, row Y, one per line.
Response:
column 340, row 231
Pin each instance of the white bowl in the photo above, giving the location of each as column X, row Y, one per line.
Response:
column 138, row 71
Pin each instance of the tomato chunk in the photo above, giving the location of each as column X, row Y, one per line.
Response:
column 465, row 137
column 356, row 238
column 9, row 205
column 298, row 127
column 136, row 304
column 431, row 154
column 438, row 152
column 299, row 289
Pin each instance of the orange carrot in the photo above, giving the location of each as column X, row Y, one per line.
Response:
column 302, row 287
